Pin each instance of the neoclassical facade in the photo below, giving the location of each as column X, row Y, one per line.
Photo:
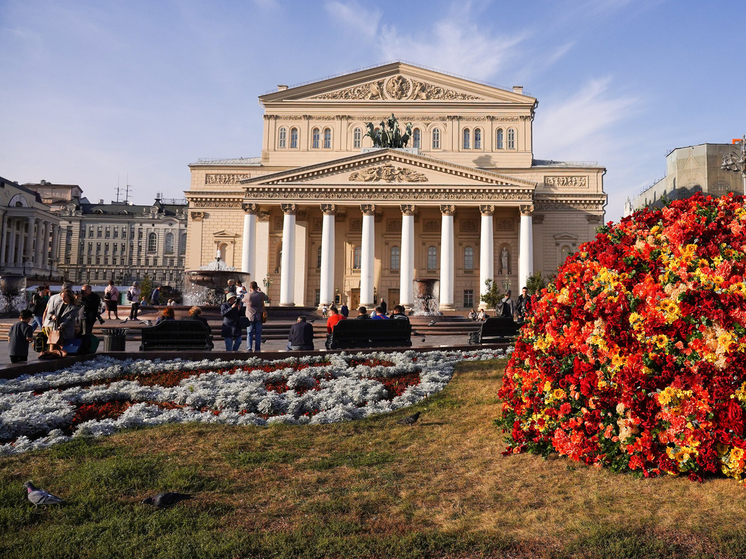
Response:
column 324, row 217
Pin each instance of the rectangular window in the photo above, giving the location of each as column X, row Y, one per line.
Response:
column 90, row 260
column 116, row 232
column 108, row 232
column 468, row 298
column 98, row 248
column 317, row 298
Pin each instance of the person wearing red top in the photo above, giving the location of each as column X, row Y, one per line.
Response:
column 334, row 317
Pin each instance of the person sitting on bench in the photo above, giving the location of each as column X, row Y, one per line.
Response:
column 300, row 337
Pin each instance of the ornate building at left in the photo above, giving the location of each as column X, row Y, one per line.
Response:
column 29, row 234
column 98, row 242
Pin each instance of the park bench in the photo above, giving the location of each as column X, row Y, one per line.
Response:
column 175, row 335
column 495, row 330
column 353, row 333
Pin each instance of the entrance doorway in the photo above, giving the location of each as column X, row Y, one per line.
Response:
column 354, row 299
column 393, row 299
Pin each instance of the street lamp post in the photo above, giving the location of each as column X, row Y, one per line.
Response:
column 736, row 163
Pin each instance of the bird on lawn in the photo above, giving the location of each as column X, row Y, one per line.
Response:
column 410, row 419
column 164, row 500
column 41, row 497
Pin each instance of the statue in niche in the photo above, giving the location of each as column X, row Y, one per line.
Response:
column 389, row 135
column 504, row 256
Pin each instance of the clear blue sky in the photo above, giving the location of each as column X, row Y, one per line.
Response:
column 93, row 92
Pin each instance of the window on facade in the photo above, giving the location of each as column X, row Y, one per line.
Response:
column 511, row 138
column 357, row 138
column 317, row 298
column 90, row 248
column 169, row 243
column 395, row 258
column 467, row 139
column 90, row 260
column 469, row 298
column 98, row 248
column 152, row 242
column 182, row 243
column 114, row 249
column 357, row 255
column 477, row 138
column 468, row 258
column 82, row 232
column 318, row 259
column 432, row 258
column 283, row 138
column 500, row 139
column 416, row 138
column 116, row 232
column 124, row 232
column 316, row 138
column 108, row 232
column 98, row 260
column 327, row 138
column 436, row 138
column 294, row 138
column 99, row 231
column 106, row 248
column 90, row 231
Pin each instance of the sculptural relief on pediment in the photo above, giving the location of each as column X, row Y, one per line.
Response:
column 388, row 173
column 399, row 88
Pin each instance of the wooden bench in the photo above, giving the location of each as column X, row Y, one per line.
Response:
column 495, row 330
column 175, row 335
column 353, row 333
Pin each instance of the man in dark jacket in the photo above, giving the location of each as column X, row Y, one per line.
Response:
column 91, row 309
column 300, row 337
column 231, row 312
column 362, row 314
column 399, row 313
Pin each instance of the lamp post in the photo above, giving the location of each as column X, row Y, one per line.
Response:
column 735, row 163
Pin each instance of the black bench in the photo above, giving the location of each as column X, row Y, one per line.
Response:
column 353, row 333
column 495, row 330
column 173, row 335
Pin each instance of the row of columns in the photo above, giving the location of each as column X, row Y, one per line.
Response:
column 35, row 244
column 367, row 261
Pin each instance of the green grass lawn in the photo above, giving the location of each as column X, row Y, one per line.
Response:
column 368, row 488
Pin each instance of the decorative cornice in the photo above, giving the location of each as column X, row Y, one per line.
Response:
column 384, row 194
column 226, row 178
column 563, row 202
column 215, row 203
column 566, row 182
column 389, row 173
column 398, row 88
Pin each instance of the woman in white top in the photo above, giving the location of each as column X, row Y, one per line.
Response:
column 111, row 298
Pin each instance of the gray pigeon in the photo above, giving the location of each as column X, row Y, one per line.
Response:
column 163, row 500
column 41, row 497
column 410, row 419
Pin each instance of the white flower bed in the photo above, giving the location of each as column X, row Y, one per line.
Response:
column 334, row 391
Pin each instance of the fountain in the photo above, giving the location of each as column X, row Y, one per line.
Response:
column 12, row 295
column 426, row 297
column 206, row 286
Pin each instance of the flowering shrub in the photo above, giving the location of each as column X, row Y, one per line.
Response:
column 105, row 395
column 635, row 357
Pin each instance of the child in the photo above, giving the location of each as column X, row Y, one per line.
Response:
column 21, row 334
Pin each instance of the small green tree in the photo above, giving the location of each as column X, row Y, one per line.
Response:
column 535, row 283
column 492, row 298
column 146, row 287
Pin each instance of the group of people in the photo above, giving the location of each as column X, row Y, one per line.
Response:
column 516, row 310
column 243, row 310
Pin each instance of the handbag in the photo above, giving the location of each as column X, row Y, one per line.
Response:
column 264, row 316
column 243, row 321
column 55, row 336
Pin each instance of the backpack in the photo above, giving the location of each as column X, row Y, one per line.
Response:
column 129, row 295
column 506, row 310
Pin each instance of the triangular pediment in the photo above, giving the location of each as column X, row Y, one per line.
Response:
column 389, row 167
column 397, row 82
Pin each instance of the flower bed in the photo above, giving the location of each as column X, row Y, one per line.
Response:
column 634, row 357
column 105, row 395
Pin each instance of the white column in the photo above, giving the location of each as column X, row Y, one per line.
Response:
column 446, row 258
column 486, row 251
column 526, row 247
column 38, row 262
column 12, row 246
column 28, row 247
column 56, row 243
column 406, row 262
column 3, row 240
column 367, row 260
column 327, row 254
column 248, row 250
column 45, row 247
column 287, row 271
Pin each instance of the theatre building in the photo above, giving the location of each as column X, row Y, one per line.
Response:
column 322, row 216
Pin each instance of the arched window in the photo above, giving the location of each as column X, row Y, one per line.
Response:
column 182, row 244
column 477, row 138
column 357, row 138
column 500, row 139
column 357, row 255
column 283, row 138
column 467, row 139
column 152, row 242
column 294, row 138
column 468, row 258
column 169, row 245
column 416, row 138
column 432, row 258
column 318, row 259
column 327, row 138
column 395, row 257
column 436, row 138
column 511, row 138
column 316, row 138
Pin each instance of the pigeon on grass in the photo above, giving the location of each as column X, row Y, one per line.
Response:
column 410, row 419
column 164, row 500
column 41, row 497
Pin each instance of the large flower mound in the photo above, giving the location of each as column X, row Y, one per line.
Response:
column 635, row 358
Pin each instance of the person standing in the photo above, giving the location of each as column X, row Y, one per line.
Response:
column 91, row 309
column 111, row 298
column 240, row 290
column 255, row 314
column 38, row 306
column 231, row 329
column 524, row 304
column 300, row 337
column 21, row 334
column 155, row 297
column 345, row 311
column 384, row 306
column 508, row 306
column 54, row 300
column 133, row 296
